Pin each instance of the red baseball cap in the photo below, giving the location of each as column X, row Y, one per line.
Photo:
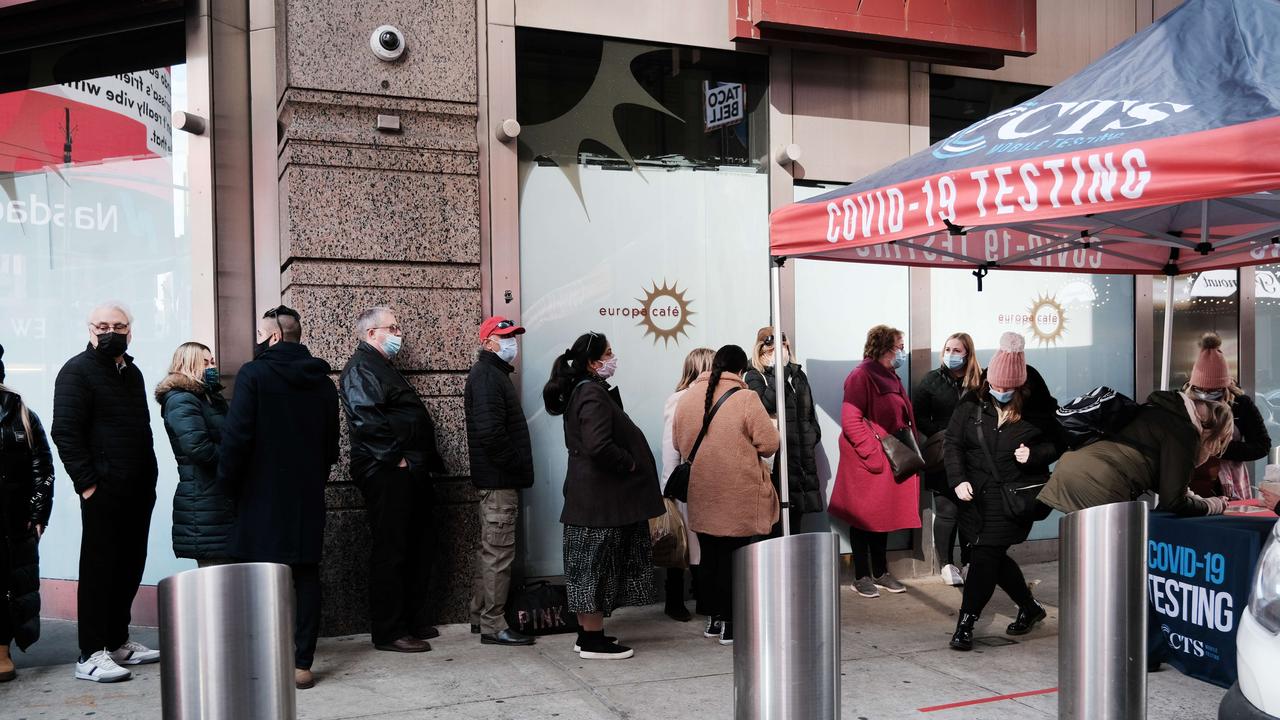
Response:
column 500, row 326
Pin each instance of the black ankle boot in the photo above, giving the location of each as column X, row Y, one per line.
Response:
column 675, row 608
column 963, row 637
column 1027, row 619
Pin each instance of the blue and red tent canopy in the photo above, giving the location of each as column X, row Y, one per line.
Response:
column 1159, row 158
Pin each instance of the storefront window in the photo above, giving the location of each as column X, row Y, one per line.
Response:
column 1202, row 302
column 663, row 257
column 1267, row 348
column 93, row 207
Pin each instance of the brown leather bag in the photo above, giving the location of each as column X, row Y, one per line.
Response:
column 902, row 450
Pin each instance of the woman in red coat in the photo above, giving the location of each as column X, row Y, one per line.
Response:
column 866, row 495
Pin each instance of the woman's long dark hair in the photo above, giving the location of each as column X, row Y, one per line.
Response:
column 729, row 358
column 570, row 368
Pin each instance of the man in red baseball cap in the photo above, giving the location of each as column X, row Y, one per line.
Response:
column 501, row 465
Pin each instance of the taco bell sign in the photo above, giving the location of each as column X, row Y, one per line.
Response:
column 725, row 104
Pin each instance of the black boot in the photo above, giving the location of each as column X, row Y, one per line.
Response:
column 963, row 637
column 675, row 608
column 1027, row 619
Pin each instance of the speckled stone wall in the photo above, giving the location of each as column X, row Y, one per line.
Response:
column 371, row 218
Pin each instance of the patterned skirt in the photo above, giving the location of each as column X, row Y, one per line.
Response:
column 608, row 568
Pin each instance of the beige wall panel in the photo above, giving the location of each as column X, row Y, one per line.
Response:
column 838, row 150
column 700, row 23
column 1069, row 36
column 327, row 47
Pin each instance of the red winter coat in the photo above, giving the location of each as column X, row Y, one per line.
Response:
column 865, row 494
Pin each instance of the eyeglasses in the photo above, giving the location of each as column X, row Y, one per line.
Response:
column 395, row 329
column 103, row 327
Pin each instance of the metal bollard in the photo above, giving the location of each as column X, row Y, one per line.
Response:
column 226, row 639
column 786, row 622
column 1102, row 638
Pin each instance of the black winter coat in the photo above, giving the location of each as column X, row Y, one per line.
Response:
column 612, row 479
column 26, row 498
column 497, row 434
column 279, row 440
column 803, row 434
column 1255, row 441
column 386, row 418
column 102, row 425
column 983, row 520
column 934, row 399
column 203, row 512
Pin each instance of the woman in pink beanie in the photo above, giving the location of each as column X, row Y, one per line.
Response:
column 998, row 451
column 1211, row 381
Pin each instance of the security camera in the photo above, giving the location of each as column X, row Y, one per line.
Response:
column 387, row 42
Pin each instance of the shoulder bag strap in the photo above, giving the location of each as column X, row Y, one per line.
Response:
column 706, row 423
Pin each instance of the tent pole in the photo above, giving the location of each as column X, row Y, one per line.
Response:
column 1166, row 344
column 780, row 397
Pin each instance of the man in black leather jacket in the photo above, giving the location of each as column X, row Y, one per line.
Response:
column 393, row 453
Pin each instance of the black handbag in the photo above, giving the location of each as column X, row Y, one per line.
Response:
column 1020, row 499
column 540, row 608
column 902, row 450
column 678, row 482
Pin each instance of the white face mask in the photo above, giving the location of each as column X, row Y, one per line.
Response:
column 508, row 348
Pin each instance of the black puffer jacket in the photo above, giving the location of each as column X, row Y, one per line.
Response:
column 203, row 512
column 386, row 418
column 934, row 399
column 497, row 434
column 26, row 498
column 1255, row 441
column 983, row 520
column 803, row 434
column 279, row 441
column 102, row 425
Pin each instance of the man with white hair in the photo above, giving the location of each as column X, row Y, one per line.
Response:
column 393, row 453
column 102, row 428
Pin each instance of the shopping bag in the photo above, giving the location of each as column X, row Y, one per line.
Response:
column 540, row 608
column 668, row 538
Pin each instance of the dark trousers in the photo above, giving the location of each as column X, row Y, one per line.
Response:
column 990, row 567
column 946, row 529
column 796, row 516
column 715, row 576
column 399, row 505
column 869, row 556
column 306, row 619
column 113, row 553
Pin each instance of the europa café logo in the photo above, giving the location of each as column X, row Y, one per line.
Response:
column 663, row 312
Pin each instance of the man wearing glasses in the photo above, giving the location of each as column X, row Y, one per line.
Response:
column 393, row 453
column 501, row 465
column 102, row 428
column 279, row 440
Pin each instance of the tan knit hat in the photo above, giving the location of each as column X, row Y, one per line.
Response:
column 1211, row 369
column 1008, row 369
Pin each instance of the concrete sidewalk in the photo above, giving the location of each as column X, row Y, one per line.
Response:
column 894, row 650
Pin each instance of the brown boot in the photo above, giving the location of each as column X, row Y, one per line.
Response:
column 7, row 671
column 303, row 679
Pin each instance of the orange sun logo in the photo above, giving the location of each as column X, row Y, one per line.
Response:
column 666, row 313
column 1048, row 320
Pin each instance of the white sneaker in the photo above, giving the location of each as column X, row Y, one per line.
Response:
column 101, row 668
column 135, row 653
column 951, row 575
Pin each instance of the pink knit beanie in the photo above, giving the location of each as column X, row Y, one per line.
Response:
column 1008, row 369
column 1211, row 369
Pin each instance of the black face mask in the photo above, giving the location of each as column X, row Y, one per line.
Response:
column 112, row 344
column 261, row 347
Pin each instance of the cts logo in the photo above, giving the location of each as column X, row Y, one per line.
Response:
column 1064, row 119
column 1182, row 643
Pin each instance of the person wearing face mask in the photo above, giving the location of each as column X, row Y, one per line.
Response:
column 803, row 433
column 102, row 429
column 875, row 404
column 610, row 493
column 393, row 453
column 191, row 403
column 995, row 442
column 26, row 501
column 934, row 400
column 501, row 466
column 279, row 443
column 1211, row 381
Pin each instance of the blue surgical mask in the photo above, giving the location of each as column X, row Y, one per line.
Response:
column 899, row 357
column 391, row 345
column 507, row 349
column 211, row 378
column 1001, row 397
column 953, row 361
column 1207, row 395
